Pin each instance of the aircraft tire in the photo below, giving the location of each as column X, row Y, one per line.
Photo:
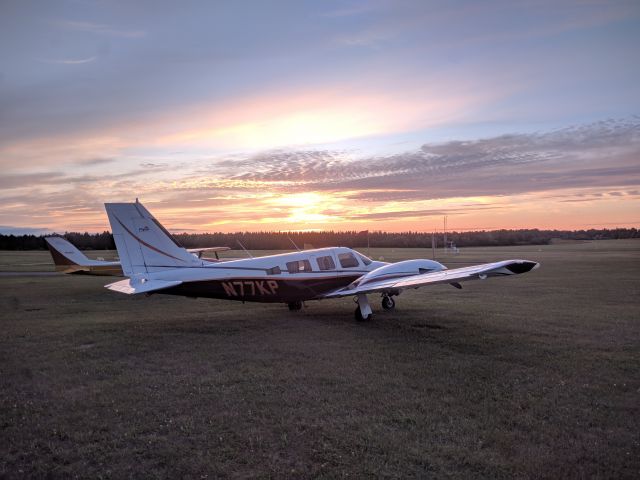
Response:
column 388, row 303
column 295, row 306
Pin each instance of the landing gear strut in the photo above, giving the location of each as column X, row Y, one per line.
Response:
column 295, row 306
column 388, row 303
column 363, row 310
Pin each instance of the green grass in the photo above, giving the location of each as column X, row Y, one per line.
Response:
column 534, row 376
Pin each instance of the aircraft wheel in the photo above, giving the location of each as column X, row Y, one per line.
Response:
column 388, row 303
column 360, row 318
column 295, row 306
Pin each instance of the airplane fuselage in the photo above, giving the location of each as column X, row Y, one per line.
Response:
column 289, row 277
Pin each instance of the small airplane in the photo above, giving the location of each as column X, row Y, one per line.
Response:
column 155, row 263
column 68, row 259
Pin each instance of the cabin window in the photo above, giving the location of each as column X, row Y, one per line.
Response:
column 273, row 271
column 326, row 263
column 299, row 266
column 365, row 260
column 348, row 260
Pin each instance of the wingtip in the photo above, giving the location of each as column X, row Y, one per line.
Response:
column 522, row 266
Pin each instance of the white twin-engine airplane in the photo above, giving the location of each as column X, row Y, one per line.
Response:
column 155, row 263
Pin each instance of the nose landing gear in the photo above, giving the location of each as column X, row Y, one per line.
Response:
column 388, row 303
column 363, row 310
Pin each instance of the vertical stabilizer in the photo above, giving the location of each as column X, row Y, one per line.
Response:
column 68, row 259
column 143, row 244
column 64, row 254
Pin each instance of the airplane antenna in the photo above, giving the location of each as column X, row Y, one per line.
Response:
column 247, row 251
column 368, row 245
column 445, row 234
column 294, row 243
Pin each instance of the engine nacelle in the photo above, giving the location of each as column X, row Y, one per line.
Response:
column 401, row 269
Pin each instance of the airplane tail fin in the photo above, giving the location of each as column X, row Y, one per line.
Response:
column 143, row 244
column 66, row 256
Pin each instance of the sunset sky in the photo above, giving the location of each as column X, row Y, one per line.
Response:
column 385, row 115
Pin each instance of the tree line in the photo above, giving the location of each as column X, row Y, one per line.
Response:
column 286, row 240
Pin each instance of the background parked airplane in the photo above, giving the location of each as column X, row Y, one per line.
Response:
column 155, row 263
column 68, row 259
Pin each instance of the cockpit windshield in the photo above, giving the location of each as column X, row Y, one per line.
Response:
column 365, row 260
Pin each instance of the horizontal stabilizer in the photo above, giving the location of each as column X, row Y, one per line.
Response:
column 198, row 252
column 208, row 249
column 135, row 286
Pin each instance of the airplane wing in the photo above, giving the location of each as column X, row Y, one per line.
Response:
column 475, row 272
column 135, row 286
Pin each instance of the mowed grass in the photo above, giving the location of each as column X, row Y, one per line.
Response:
column 535, row 376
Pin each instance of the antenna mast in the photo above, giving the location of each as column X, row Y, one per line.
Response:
column 247, row 251
column 294, row 243
column 445, row 233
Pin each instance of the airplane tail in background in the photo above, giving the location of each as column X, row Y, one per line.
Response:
column 143, row 244
column 68, row 259
column 65, row 255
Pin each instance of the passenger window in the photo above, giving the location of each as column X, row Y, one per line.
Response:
column 348, row 260
column 299, row 266
column 326, row 263
column 273, row 271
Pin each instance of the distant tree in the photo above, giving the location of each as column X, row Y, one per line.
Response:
column 271, row 240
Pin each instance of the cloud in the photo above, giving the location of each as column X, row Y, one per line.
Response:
column 95, row 161
column 60, row 178
column 577, row 166
column 69, row 61
column 599, row 154
column 10, row 230
column 100, row 29
column 20, row 180
column 433, row 212
column 353, row 10
column 154, row 165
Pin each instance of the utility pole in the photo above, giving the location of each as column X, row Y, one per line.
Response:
column 294, row 243
column 445, row 234
column 433, row 245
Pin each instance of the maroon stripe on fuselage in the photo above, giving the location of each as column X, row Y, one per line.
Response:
column 266, row 290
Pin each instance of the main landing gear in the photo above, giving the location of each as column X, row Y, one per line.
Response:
column 295, row 306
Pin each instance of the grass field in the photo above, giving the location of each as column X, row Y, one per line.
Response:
column 535, row 376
